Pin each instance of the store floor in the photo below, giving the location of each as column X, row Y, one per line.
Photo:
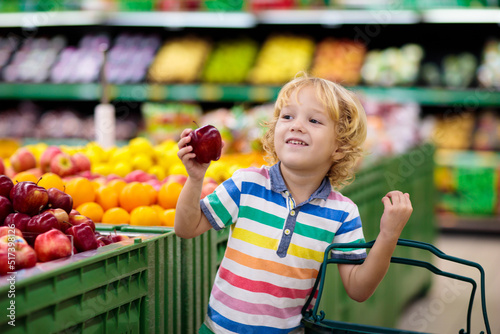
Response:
column 443, row 310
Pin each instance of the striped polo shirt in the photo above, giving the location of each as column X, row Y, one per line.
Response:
column 275, row 249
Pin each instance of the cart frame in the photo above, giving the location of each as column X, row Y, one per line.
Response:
column 315, row 322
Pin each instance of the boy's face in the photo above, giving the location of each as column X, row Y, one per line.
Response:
column 305, row 136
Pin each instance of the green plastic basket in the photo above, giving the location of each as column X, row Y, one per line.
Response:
column 315, row 322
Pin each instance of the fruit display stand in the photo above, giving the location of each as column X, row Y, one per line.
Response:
column 120, row 287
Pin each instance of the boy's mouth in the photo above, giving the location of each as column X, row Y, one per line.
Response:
column 296, row 142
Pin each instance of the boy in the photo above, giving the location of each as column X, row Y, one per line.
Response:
column 283, row 217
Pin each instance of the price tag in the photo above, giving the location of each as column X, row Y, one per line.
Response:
column 210, row 92
column 158, row 92
column 261, row 94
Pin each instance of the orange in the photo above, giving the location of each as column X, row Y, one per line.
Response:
column 81, row 189
column 169, row 194
column 116, row 216
column 158, row 208
column 51, row 180
column 168, row 217
column 107, row 197
column 117, row 185
column 91, row 210
column 145, row 216
column 153, row 194
column 24, row 176
column 134, row 195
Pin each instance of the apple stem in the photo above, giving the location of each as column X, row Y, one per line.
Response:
column 39, row 179
column 196, row 124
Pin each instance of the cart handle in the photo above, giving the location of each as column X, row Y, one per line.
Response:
column 408, row 243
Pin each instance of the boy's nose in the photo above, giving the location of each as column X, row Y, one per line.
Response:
column 297, row 126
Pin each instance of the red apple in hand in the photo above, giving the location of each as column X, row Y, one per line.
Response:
column 62, row 165
column 22, row 160
column 207, row 144
column 23, row 256
column 29, row 198
column 47, row 156
column 59, row 199
column 6, row 185
column 52, row 245
column 6, row 208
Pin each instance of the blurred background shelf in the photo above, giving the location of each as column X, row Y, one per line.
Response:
column 429, row 96
column 242, row 19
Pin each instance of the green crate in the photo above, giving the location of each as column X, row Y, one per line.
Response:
column 117, row 288
column 196, row 268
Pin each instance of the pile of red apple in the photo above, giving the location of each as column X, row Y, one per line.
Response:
column 53, row 160
column 41, row 224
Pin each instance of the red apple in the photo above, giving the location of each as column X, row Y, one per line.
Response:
column 73, row 212
column 62, row 165
column 81, row 219
column 6, row 185
column 5, row 208
column 83, row 237
column 61, row 215
column 118, row 237
column 17, row 220
column 15, row 254
column 81, row 162
column 207, row 144
column 52, row 245
column 138, row 176
column 179, row 178
column 43, row 222
column 10, row 230
column 47, row 156
column 22, row 160
column 2, row 166
column 208, row 188
column 60, row 199
column 29, row 198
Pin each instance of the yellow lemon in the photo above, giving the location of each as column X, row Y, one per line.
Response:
column 145, row 216
column 51, row 180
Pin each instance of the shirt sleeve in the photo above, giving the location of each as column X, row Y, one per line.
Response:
column 350, row 232
column 222, row 206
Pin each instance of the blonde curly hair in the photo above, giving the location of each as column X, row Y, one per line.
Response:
column 344, row 108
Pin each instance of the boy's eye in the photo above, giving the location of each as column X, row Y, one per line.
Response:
column 315, row 121
column 286, row 117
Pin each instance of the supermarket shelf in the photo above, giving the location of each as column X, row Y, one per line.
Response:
column 221, row 19
column 473, row 97
column 51, row 18
column 451, row 223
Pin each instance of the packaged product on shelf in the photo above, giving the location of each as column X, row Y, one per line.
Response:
column 130, row 56
column 230, row 61
column 165, row 121
column 452, row 131
column 393, row 66
column 457, row 71
column 179, row 60
column 281, row 58
column 81, row 64
column 488, row 73
column 487, row 133
column 393, row 128
column 34, row 60
column 339, row 60
column 7, row 47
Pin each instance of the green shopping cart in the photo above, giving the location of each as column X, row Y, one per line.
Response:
column 315, row 322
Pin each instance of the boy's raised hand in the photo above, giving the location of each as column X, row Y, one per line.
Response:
column 193, row 168
column 397, row 211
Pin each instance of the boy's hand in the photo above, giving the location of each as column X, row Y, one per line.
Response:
column 397, row 211
column 194, row 169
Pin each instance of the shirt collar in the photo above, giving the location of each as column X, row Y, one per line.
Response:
column 278, row 184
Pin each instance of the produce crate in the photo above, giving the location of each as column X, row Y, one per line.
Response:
column 196, row 268
column 132, row 286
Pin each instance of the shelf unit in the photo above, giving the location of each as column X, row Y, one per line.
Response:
column 427, row 96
